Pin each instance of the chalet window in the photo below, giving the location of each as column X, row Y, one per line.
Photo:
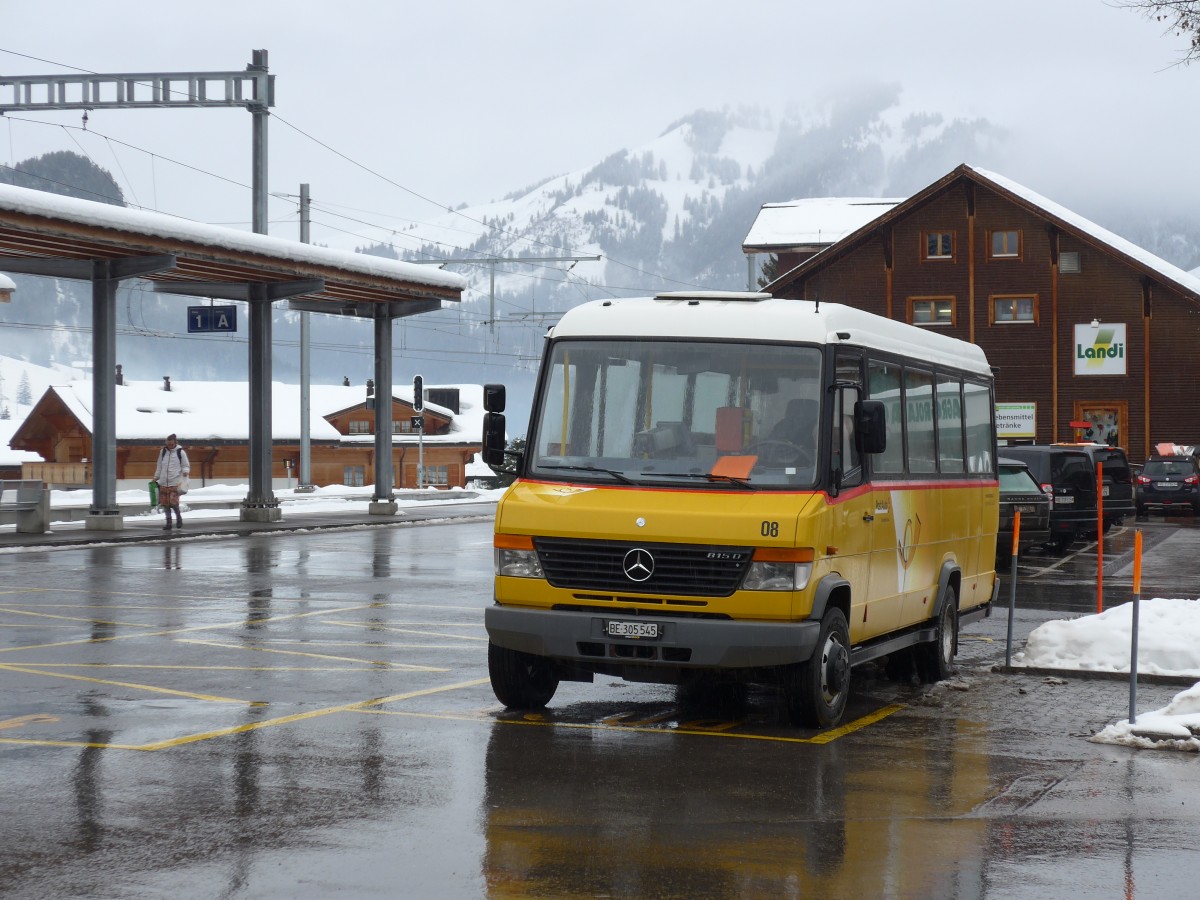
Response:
column 1008, row 308
column 1005, row 244
column 1068, row 263
column 938, row 244
column 437, row 475
column 931, row 310
column 354, row 476
column 360, row 426
column 401, row 426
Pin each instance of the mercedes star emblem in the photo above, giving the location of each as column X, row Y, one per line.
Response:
column 638, row 564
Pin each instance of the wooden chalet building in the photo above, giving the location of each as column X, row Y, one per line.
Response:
column 212, row 422
column 1092, row 337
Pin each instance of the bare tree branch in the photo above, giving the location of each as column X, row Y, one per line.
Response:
column 1179, row 17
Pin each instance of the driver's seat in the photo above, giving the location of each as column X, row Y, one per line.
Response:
column 796, row 426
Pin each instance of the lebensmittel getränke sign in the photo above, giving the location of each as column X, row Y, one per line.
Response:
column 1100, row 349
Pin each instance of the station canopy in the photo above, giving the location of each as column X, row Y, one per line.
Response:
column 37, row 224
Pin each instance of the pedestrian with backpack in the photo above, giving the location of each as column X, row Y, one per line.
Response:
column 171, row 476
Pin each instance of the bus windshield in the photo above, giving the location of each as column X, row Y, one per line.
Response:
column 684, row 413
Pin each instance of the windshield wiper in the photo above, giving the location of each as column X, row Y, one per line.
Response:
column 620, row 476
column 707, row 476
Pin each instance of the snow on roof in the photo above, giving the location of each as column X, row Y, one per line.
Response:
column 200, row 411
column 1190, row 281
column 160, row 225
column 6, row 283
column 813, row 221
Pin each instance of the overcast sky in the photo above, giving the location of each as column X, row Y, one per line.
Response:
column 465, row 100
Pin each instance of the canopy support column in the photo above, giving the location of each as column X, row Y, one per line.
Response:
column 383, row 504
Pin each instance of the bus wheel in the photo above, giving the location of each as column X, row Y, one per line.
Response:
column 935, row 661
column 816, row 691
column 521, row 680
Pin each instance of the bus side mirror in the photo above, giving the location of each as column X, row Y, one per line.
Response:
column 493, row 438
column 493, row 398
column 870, row 426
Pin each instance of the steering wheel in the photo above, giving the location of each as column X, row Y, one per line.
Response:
column 775, row 452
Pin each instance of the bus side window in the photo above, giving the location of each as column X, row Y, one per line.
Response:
column 846, row 463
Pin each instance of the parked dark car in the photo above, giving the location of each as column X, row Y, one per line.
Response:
column 1067, row 476
column 1020, row 492
column 1168, row 482
column 1118, row 498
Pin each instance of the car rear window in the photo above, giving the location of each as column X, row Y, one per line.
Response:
column 1116, row 466
column 1017, row 480
column 1071, row 467
column 1168, row 467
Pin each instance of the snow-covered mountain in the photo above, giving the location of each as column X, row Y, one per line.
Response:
column 672, row 213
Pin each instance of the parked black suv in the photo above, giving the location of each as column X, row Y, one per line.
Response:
column 1118, row 499
column 1169, row 481
column 1067, row 475
column 1020, row 492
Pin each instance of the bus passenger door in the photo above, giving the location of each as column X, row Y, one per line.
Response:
column 885, row 601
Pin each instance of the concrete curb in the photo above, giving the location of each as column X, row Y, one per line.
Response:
column 1089, row 675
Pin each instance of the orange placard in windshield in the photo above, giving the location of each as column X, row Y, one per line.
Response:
column 733, row 466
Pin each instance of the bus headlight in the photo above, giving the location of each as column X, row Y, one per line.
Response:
column 515, row 556
column 779, row 570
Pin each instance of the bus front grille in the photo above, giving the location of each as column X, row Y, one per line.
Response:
column 682, row 569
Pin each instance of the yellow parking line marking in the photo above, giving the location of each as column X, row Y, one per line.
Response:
column 822, row 738
column 141, row 687
column 461, row 637
column 858, row 724
column 191, row 668
column 364, row 645
column 216, row 626
column 21, row 612
column 29, row 742
column 369, row 662
column 311, row 714
column 32, row 719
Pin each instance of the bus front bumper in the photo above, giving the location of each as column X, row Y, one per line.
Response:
column 583, row 637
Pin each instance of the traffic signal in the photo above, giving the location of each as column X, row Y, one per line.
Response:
column 418, row 393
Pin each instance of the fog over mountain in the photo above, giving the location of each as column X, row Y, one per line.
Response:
column 670, row 214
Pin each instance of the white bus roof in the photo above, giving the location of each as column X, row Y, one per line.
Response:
column 713, row 315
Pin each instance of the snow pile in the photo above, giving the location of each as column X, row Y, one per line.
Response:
column 1168, row 644
column 1168, row 640
column 1174, row 727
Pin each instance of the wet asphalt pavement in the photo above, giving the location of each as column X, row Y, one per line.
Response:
column 304, row 713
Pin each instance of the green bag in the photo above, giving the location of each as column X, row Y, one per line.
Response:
column 153, row 494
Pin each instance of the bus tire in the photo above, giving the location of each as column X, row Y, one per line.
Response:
column 817, row 691
column 935, row 660
column 521, row 680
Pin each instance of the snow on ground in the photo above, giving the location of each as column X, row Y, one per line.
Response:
column 331, row 499
column 1168, row 644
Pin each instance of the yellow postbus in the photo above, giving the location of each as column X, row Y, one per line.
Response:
column 741, row 487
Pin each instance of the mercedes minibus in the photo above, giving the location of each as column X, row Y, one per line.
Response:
column 746, row 488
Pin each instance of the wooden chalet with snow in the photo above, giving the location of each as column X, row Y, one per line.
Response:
column 211, row 420
column 1092, row 337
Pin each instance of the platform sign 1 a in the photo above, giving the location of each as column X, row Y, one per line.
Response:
column 209, row 319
